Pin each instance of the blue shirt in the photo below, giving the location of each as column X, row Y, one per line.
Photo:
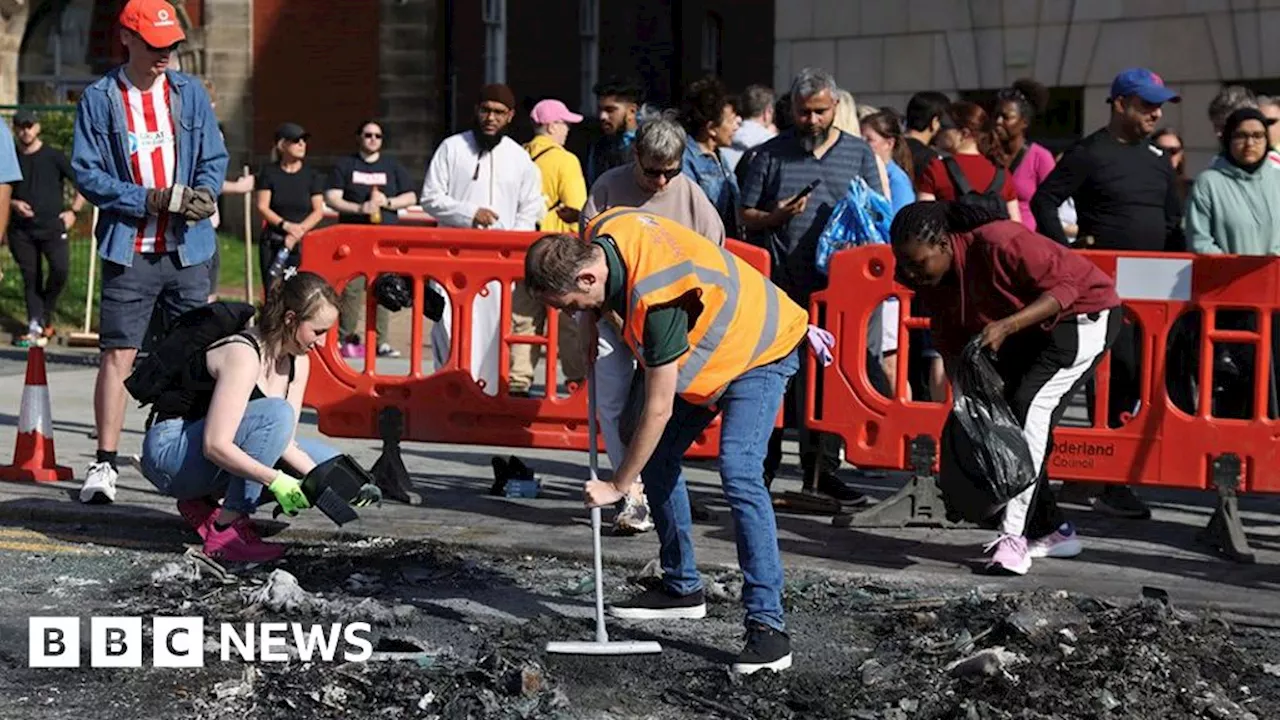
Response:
column 712, row 173
column 9, row 170
column 781, row 168
column 900, row 187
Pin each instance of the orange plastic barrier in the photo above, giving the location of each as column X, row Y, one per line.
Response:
column 1161, row 445
column 448, row 405
column 414, row 215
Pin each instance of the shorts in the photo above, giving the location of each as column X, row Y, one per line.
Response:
column 131, row 293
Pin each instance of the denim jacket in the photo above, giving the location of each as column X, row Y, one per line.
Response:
column 100, row 159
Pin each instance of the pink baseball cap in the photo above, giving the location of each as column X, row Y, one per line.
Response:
column 549, row 111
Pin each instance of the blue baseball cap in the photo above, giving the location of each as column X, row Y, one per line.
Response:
column 1143, row 83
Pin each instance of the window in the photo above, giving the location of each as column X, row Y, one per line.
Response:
column 711, row 33
column 589, row 37
column 495, row 41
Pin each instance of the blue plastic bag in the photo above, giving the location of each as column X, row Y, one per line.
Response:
column 862, row 217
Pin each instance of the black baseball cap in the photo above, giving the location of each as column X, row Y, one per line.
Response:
column 25, row 117
column 291, row 132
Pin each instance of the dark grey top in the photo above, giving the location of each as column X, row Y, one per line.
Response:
column 780, row 169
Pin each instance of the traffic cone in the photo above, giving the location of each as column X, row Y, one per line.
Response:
column 33, row 457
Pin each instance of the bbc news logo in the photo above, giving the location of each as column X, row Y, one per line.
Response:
column 179, row 642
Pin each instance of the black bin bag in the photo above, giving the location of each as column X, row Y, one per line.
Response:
column 984, row 460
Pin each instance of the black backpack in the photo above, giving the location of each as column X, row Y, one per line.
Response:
column 189, row 334
column 989, row 200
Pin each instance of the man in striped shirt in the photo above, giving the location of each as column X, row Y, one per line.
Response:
column 147, row 152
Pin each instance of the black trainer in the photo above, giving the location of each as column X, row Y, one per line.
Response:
column 766, row 649
column 831, row 485
column 658, row 603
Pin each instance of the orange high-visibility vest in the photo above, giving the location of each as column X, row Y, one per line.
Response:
column 741, row 320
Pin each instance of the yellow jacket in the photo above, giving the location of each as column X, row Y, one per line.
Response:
column 562, row 181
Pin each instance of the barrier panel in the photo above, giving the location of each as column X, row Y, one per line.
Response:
column 1161, row 444
column 412, row 215
column 447, row 405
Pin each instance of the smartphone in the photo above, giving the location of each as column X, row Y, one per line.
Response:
column 805, row 192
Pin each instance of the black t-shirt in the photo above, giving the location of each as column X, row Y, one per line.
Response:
column 42, row 174
column 357, row 178
column 921, row 156
column 291, row 193
column 1126, row 196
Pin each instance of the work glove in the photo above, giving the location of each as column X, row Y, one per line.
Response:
column 198, row 204
column 820, row 344
column 288, row 493
column 158, row 200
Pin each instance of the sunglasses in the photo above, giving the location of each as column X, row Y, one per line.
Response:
column 162, row 50
column 1171, row 149
column 24, row 126
column 656, row 173
column 373, row 136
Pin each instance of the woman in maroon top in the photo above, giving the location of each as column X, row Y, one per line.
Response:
column 1046, row 312
column 976, row 155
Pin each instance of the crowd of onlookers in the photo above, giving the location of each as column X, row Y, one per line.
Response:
column 761, row 166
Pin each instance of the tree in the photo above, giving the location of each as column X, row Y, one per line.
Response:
column 13, row 25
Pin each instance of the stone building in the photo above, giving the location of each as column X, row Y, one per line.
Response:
column 884, row 50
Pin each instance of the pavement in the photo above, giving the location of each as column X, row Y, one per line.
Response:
column 1121, row 558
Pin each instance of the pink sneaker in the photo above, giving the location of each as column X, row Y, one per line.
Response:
column 352, row 350
column 239, row 542
column 1011, row 557
column 197, row 513
column 1061, row 543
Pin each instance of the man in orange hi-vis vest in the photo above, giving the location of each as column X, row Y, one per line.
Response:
column 714, row 337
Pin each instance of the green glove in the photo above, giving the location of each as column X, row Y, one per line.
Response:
column 288, row 493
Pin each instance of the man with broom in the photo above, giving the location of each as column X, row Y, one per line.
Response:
column 715, row 337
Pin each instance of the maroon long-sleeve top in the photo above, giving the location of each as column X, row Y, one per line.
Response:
column 999, row 269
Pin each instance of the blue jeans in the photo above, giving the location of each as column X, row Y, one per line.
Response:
column 749, row 407
column 173, row 455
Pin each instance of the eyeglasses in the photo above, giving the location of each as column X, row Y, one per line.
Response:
column 373, row 136
column 655, row 173
column 1257, row 137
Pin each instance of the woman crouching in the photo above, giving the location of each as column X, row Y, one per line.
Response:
column 1048, row 314
column 227, row 437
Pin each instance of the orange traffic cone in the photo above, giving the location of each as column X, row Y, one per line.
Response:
column 33, row 457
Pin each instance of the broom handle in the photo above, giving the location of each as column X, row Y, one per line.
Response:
column 248, row 244
column 602, row 635
column 93, row 263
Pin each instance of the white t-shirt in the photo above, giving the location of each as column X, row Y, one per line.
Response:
column 153, row 157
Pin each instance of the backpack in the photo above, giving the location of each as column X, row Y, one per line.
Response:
column 989, row 200
column 189, row 335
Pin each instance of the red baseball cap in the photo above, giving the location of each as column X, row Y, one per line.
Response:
column 155, row 21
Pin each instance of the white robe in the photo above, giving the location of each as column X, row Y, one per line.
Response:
column 460, row 181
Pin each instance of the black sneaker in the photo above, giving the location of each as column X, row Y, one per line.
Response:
column 1120, row 501
column 766, row 649
column 831, row 485
column 661, row 604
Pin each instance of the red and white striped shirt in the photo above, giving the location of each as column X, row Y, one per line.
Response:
column 152, row 156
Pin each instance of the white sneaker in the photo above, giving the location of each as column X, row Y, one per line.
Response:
column 100, row 485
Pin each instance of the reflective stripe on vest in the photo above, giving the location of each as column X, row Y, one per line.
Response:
column 716, row 327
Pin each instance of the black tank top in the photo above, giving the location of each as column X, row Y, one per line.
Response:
column 190, row 399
